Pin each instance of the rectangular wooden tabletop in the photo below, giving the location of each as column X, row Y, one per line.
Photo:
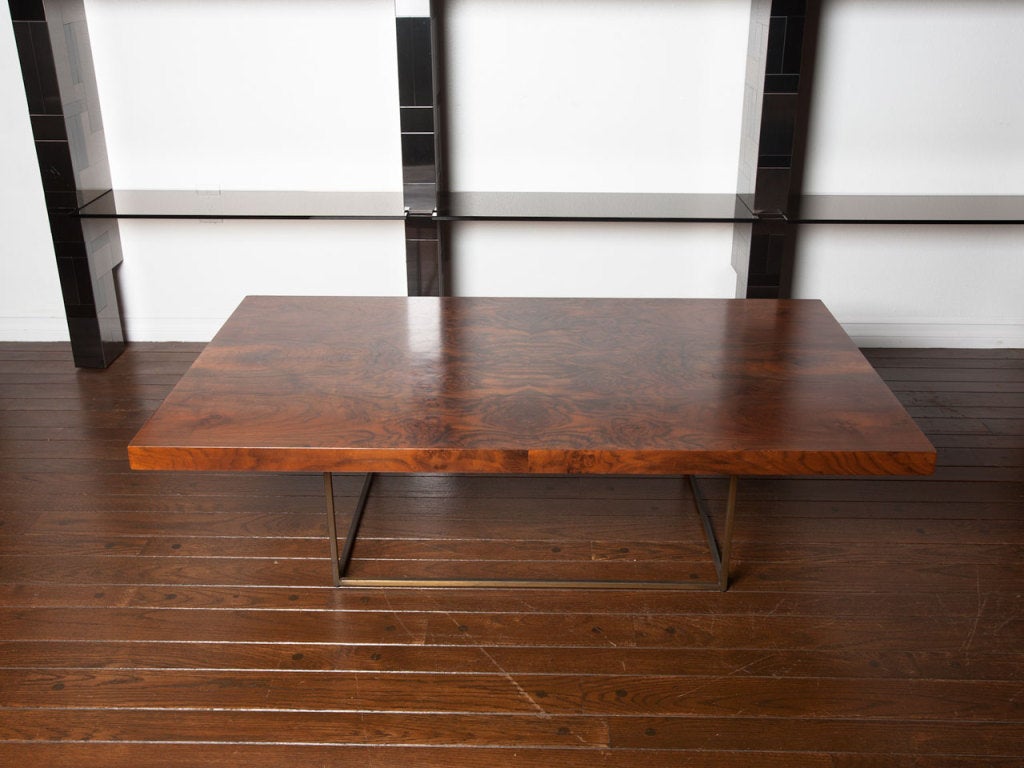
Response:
column 510, row 385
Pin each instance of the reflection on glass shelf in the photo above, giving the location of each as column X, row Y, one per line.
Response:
column 600, row 206
column 912, row 209
column 546, row 206
column 217, row 204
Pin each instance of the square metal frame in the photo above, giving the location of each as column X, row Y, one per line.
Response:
column 720, row 553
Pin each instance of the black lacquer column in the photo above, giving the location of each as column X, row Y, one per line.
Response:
column 420, row 72
column 788, row 80
column 60, row 83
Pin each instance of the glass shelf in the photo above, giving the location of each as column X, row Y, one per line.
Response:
column 549, row 206
column 201, row 204
column 911, row 209
column 597, row 206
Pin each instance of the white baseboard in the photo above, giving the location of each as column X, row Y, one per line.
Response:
column 955, row 335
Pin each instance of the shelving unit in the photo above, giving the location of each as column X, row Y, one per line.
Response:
column 766, row 210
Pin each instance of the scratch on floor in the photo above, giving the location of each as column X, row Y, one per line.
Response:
column 412, row 638
column 966, row 647
column 511, row 680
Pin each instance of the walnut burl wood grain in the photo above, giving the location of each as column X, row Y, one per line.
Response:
column 480, row 385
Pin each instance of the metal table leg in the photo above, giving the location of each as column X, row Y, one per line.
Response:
column 340, row 565
column 720, row 553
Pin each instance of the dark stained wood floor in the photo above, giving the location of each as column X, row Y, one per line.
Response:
column 151, row 619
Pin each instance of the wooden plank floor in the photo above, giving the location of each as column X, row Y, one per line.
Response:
column 151, row 619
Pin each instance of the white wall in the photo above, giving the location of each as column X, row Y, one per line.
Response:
column 601, row 97
column 181, row 279
column 918, row 98
column 590, row 108
column 559, row 95
column 248, row 94
column 942, row 286
column 610, row 259
column 31, row 308
column 236, row 95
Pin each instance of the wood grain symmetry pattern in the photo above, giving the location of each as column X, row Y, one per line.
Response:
column 537, row 386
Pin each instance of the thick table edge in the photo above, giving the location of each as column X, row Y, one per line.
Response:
column 540, row 462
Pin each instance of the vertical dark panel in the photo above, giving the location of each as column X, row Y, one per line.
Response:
column 423, row 264
column 788, row 80
column 57, row 70
column 415, row 93
column 418, row 35
column 439, row 74
column 439, row 61
column 27, row 10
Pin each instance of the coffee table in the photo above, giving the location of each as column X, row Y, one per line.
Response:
column 532, row 386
